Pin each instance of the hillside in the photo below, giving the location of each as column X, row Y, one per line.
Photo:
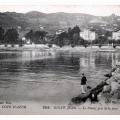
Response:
column 54, row 21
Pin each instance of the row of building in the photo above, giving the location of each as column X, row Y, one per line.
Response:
column 89, row 35
column 86, row 34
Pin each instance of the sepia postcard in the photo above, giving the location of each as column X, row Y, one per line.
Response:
column 59, row 59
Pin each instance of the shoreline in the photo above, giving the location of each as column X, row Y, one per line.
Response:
column 44, row 48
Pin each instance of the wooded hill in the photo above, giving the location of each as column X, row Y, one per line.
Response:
column 54, row 21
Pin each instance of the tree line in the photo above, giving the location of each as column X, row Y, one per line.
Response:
column 69, row 37
column 9, row 36
column 37, row 37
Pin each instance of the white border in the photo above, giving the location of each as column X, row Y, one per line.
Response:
column 59, row 2
column 59, row 117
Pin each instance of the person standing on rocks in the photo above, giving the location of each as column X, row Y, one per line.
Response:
column 83, row 83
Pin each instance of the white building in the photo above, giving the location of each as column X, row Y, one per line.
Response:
column 41, row 27
column 116, row 35
column 88, row 35
column 59, row 32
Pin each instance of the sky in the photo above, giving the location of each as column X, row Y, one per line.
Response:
column 83, row 7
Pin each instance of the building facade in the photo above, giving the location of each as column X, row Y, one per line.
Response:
column 116, row 35
column 88, row 35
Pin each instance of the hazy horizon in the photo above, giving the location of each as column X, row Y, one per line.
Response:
column 96, row 10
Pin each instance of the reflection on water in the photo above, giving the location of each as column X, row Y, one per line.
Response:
column 48, row 77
